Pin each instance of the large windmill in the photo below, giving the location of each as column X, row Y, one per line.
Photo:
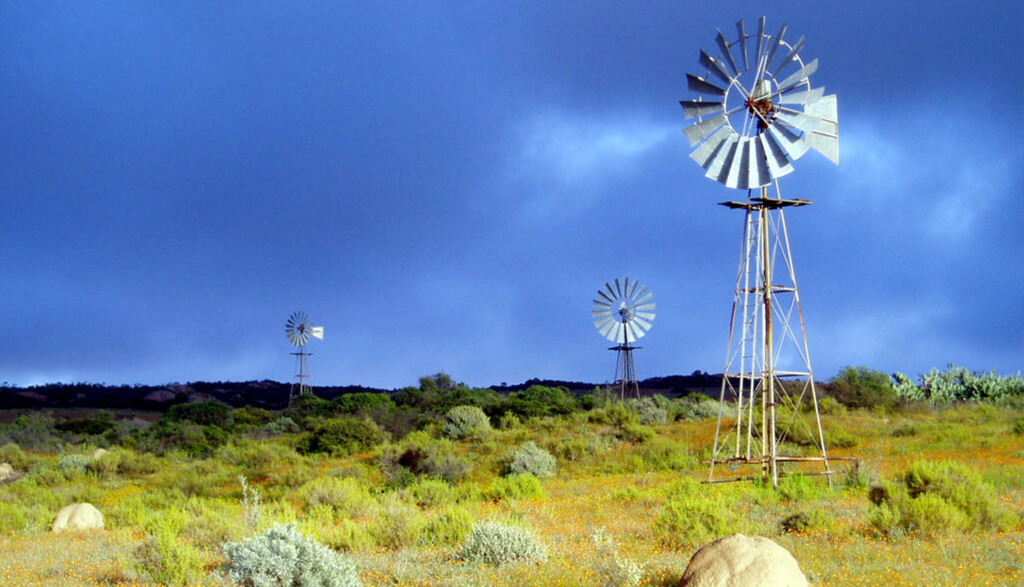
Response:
column 756, row 113
column 299, row 328
column 623, row 313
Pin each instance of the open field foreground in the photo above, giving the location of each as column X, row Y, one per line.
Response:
column 622, row 506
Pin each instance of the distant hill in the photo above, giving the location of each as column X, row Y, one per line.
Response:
column 274, row 395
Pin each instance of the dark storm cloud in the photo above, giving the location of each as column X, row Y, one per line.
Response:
column 445, row 185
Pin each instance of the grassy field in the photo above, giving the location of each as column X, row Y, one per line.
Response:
column 167, row 516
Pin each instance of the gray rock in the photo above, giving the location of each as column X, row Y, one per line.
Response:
column 743, row 561
column 78, row 516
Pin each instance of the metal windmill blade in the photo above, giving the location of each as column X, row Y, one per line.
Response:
column 299, row 328
column 623, row 311
column 755, row 114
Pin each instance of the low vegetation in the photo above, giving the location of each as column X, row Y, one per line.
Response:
column 445, row 484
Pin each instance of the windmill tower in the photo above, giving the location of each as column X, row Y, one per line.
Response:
column 623, row 314
column 754, row 115
column 299, row 329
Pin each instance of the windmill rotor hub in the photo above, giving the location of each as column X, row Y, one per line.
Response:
column 755, row 111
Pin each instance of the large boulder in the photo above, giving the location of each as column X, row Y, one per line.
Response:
column 743, row 561
column 99, row 452
column 6, row 472
column 78, row 516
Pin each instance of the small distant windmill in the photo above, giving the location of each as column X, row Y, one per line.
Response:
column 623, row 314
column 756, row 113
column 299, row 329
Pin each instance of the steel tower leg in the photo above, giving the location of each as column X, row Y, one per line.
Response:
column 761, row 338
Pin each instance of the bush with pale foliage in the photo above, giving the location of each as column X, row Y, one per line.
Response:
column 283, row 556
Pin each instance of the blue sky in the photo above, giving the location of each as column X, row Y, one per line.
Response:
column 445, row 185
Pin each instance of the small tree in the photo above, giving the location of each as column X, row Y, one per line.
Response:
column 341, row 437
column 860, row 387
column 539, row 400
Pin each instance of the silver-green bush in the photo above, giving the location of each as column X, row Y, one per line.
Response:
column 465, row 422
column 72, row 463
column 532, row 459
column 283, row 557
column 494, row 543
column 648, row 410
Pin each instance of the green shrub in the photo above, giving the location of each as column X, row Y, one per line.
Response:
column 648, row 410
column 341, row 437
column 321, row 524
column 349, row 496
column 532, row 459
column 195, row 439
column 886, row 519
column 448, row 528
column 797, row 487
column 935, row 498
column 661, row 454
column 578, row 449
column 248, row 417
column 397, row 525
column 24, row 518
column 840, row 439
column 32, row 431
column 538, row 401
column 1018, row 427
column 309, row 407
column 421, row 457
column 590, row 401
column 70, row 464
column 12, row 454
column 166, row 559
column 94, row 425
column 362, row 403
column 615, row 413
column 430, row 493
column 633, row 432
column 465, row 422
column 438, row 393
column 496, row 544
column 257, row 458
column 282, row 556
column 206, row 413
column 520, row 486
column 695, row 407
column 828, row 406
column 281, row 425
column 486, row 399
column 509, row 421
column 929, row 515
column 690, row 517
